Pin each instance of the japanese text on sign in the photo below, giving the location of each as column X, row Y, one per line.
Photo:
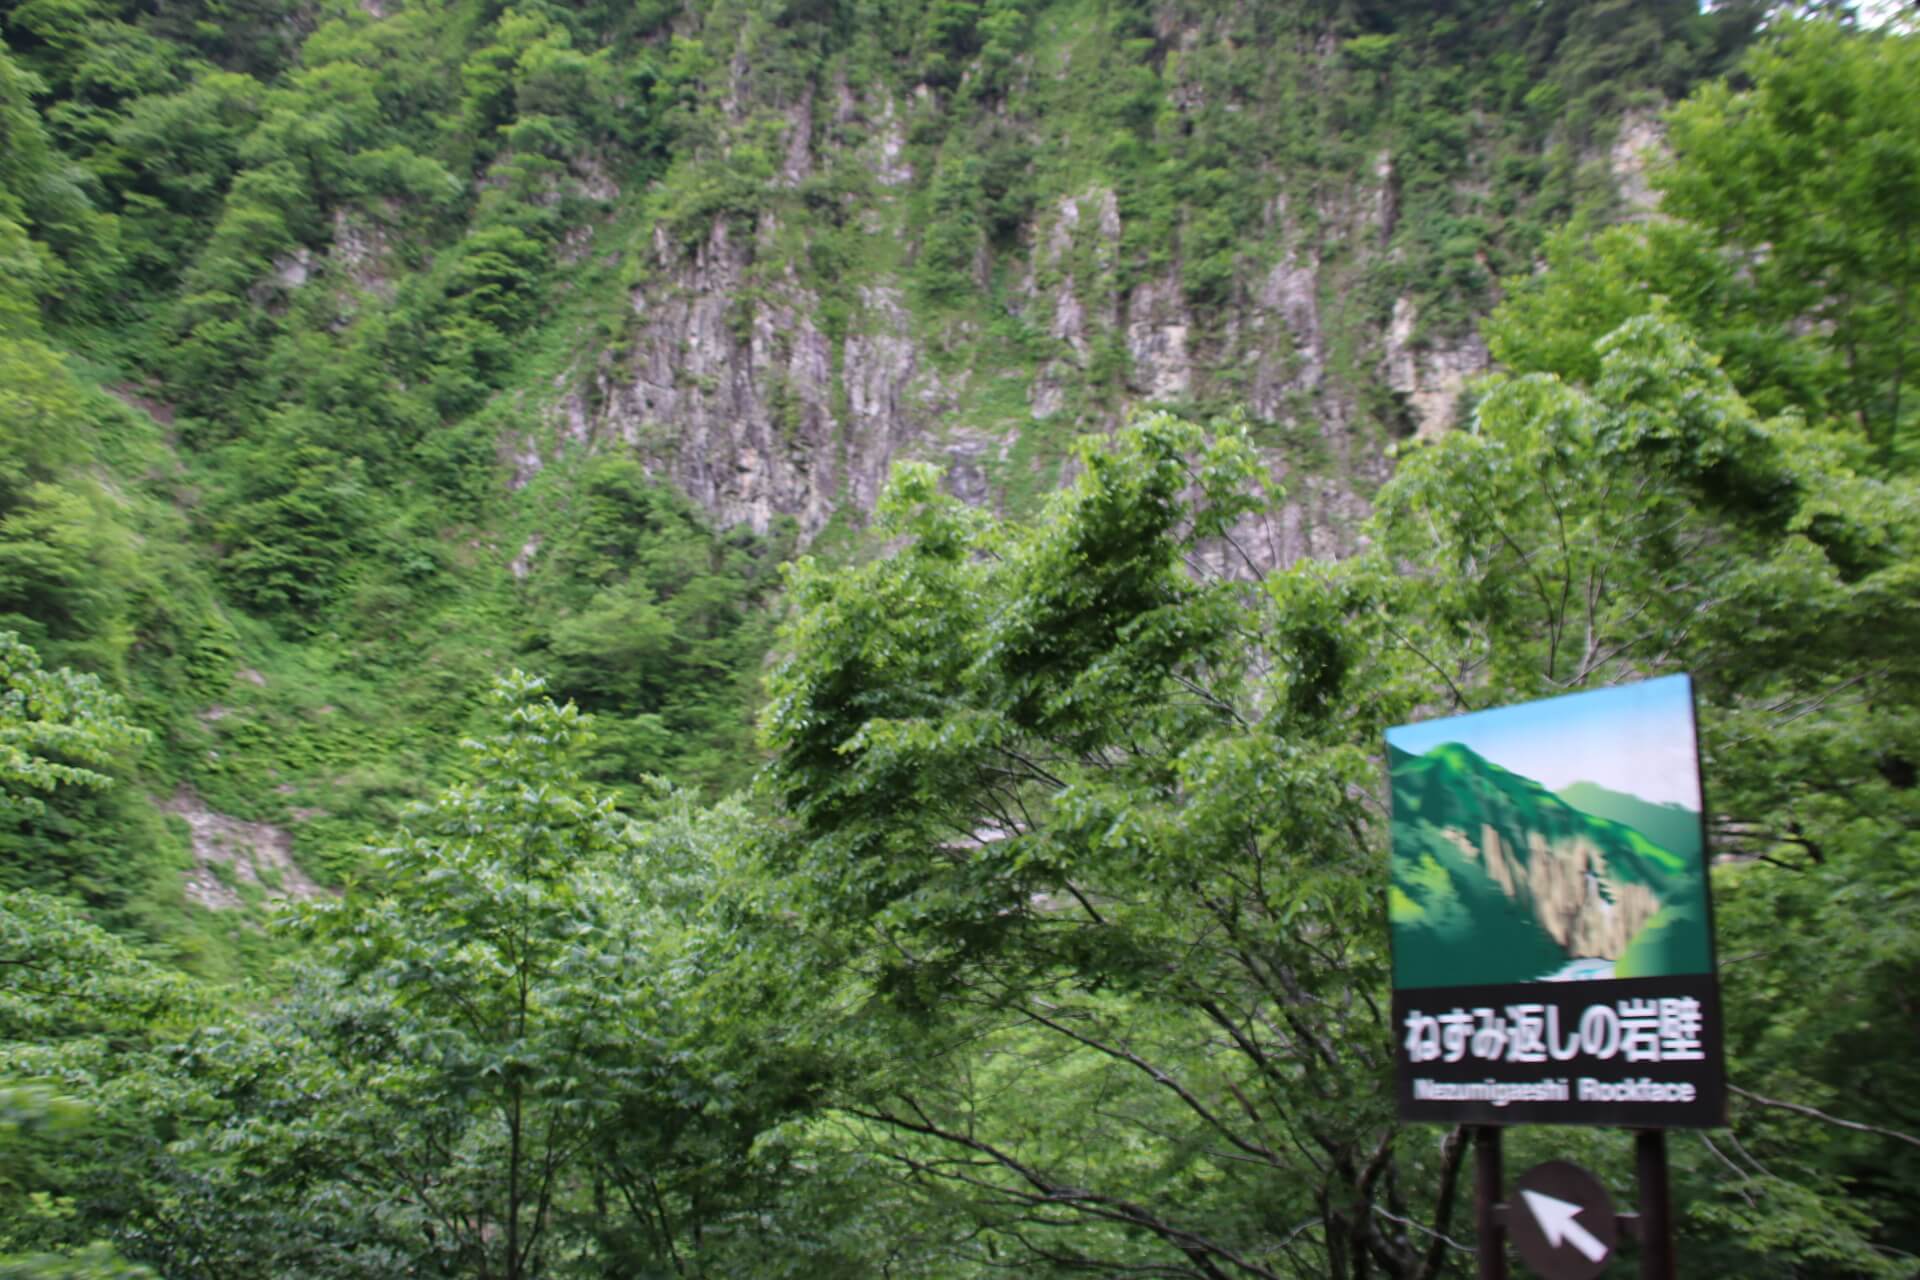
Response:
column 1666, row 1029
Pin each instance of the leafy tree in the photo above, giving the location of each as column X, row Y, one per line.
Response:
column 1075, row 814
column 62, row 734
column 656, row 622
column 172, row 158
column 1650, row 522
column 57, row 728
column 290, row 530
column 953, row 241
column 40, row 416
column 1794, row 255
column 482, row 927
column 72, row 245
column 83, row 1022
column 80, row 1011
column 67, row 557
column 1075, row 809
column 538, row 1046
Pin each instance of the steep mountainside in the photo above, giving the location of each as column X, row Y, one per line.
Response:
column 643, row 639
column 364, row 349
column 972, row 237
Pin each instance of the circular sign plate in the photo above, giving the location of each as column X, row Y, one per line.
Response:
column 1561, row 1221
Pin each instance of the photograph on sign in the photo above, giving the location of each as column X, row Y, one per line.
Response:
column 1548, row 904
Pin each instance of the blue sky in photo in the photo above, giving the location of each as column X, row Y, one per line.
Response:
column 1636, row 738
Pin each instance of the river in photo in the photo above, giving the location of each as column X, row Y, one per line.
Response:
column 1586, row 969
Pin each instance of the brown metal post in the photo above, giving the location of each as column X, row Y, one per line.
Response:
column 1490, row 1228
column 1656, row 1205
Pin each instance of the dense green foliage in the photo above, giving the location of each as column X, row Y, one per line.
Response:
column 1042, row 926
column 300, row 499
column 1112, row 868
column 1657, row 522
column 316, row 256
column 54, row 725
column 534, row 1048
column 1792, row 245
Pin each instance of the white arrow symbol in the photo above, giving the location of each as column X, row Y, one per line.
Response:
column 1557, row 1224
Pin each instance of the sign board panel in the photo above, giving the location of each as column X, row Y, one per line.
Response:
column 1552, row 928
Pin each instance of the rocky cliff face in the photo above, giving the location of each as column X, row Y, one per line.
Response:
column 768, row 386
column 1588, row 910
column 1431, row 378
column 730, row 387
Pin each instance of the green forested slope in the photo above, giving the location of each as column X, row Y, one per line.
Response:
column 353, row 355
column 1667, row 825
column 356, row 260
column 401, row 289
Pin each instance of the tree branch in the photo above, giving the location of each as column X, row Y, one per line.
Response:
column 1824, row 1118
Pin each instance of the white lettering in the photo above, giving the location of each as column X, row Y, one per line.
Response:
column 1640, row 1030
column 1498, row 1092
column 1633, row 1090
column 1680, row 1029
column 1423, row 1037
column 1529, row 1034
column 1600, row 1031
column 1490, row 1039
column 1562, row 1050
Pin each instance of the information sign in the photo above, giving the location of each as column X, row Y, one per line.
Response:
column 1551, row 923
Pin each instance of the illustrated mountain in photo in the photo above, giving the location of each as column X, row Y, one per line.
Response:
column 1673, row 827
column 1496, row 878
